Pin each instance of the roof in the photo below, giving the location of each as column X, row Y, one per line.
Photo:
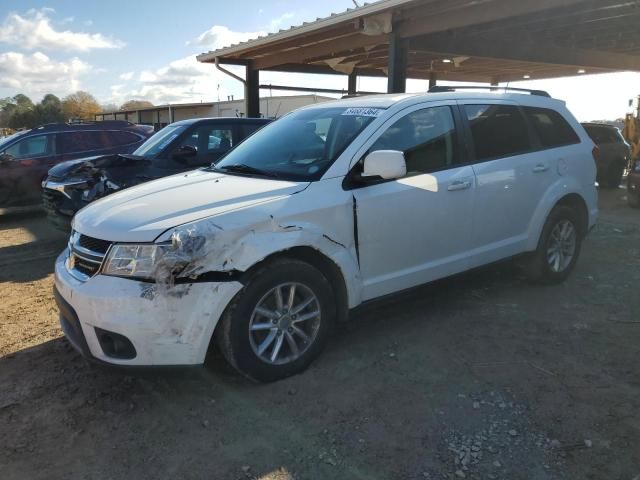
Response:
column 225, row 120
column 391, row 99
column 461, row 40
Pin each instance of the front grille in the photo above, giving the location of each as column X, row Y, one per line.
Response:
column 94, row 244
column 85, row 255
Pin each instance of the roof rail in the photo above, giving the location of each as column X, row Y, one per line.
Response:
column 62, row 125
column 453, row 88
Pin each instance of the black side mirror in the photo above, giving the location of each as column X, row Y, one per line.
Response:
column 185, row 152
column 5, row 158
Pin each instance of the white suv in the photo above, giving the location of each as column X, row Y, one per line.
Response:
column 331, row 206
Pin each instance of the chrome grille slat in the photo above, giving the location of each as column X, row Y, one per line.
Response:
column 86, row 255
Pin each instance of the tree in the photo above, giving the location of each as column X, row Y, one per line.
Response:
column 80, row 105
column 19, row 111
column 135, row 105
column 109, row 107
column 49, row 110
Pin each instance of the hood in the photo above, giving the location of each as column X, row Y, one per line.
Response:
column 142, row 213
column 72, row 167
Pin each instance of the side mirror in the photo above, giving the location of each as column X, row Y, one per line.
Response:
column 185, row 152
column 5, row 158
column 387, row 164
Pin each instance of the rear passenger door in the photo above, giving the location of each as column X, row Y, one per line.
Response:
column 511, row 178
column 418, row 228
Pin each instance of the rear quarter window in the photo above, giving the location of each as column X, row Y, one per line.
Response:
column 551, row 127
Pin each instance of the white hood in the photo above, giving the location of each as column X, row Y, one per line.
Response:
column 142, row 213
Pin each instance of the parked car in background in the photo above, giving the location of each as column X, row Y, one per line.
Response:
column 326, row 208
column 614, row 153
column 178, row 147
column 633, row 184
column 27, row 156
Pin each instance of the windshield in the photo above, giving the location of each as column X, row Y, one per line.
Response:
column 300, row 146
column 159, row 141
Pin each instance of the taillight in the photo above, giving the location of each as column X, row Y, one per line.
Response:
column 596, row 153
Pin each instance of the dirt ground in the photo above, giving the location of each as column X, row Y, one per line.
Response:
column 482, row 376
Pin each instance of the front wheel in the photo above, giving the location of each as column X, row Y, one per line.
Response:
column 558, row 247
column 279, row 322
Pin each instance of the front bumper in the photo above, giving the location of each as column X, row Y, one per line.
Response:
column 172, row 328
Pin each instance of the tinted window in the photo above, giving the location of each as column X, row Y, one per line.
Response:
column 427, row 138
column 32, row 147
column 600, row 134
column 247, row 129
column 115, row 139
column 72, row 142
column 552, row 129
column 209, row 139
column 497, row 130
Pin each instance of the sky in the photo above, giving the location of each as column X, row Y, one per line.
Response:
column 121, row 50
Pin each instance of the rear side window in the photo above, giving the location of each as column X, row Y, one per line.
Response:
column 497, row 131
column 552, row 129
column 116, row 139
column 72, row 142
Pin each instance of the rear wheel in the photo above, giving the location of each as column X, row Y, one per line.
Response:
column 279, row 322
column 558, row 247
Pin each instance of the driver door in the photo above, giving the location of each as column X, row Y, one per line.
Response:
column 418, row 228
column 209, row 144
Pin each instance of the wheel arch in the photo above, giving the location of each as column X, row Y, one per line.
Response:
column 570, row 198
column 327, row 266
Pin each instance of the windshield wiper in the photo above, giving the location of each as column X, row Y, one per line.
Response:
column 243, row 168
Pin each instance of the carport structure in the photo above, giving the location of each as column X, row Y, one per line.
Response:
column 483, row 41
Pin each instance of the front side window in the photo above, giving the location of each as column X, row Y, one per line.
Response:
column 426, row 137
column 36, row 146
column 73, row 142
column 553, row 130
column 497, row 131
column 300, row 146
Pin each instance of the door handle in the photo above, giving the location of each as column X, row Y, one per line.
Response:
column 540, row 168
column 459, row 185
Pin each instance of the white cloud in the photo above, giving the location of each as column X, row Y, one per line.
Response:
column 37, row 74
column 220, row 36
column 126, row 76
column 33, row 30
column 283, row 21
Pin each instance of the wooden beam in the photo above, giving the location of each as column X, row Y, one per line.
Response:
column 526, row 50
column 474, row 13
column 321, row 69
column 329, row 49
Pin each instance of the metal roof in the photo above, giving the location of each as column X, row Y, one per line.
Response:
column 462, row 40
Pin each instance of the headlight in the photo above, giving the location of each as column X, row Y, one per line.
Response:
column 133, row 260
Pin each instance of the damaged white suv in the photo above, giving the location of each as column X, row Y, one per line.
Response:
column 331, row 206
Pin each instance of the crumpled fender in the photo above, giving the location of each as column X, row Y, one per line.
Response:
column 204, row 246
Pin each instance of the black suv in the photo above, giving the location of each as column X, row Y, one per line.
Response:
column 614, row 153
column 178, row 147
column 26, row 156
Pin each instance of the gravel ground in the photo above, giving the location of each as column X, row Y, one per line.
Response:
column 482, row 376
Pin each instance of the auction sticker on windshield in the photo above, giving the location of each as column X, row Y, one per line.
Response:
column 363, row 111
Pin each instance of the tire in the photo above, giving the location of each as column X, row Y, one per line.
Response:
column 243, row 348
column 539, row 266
